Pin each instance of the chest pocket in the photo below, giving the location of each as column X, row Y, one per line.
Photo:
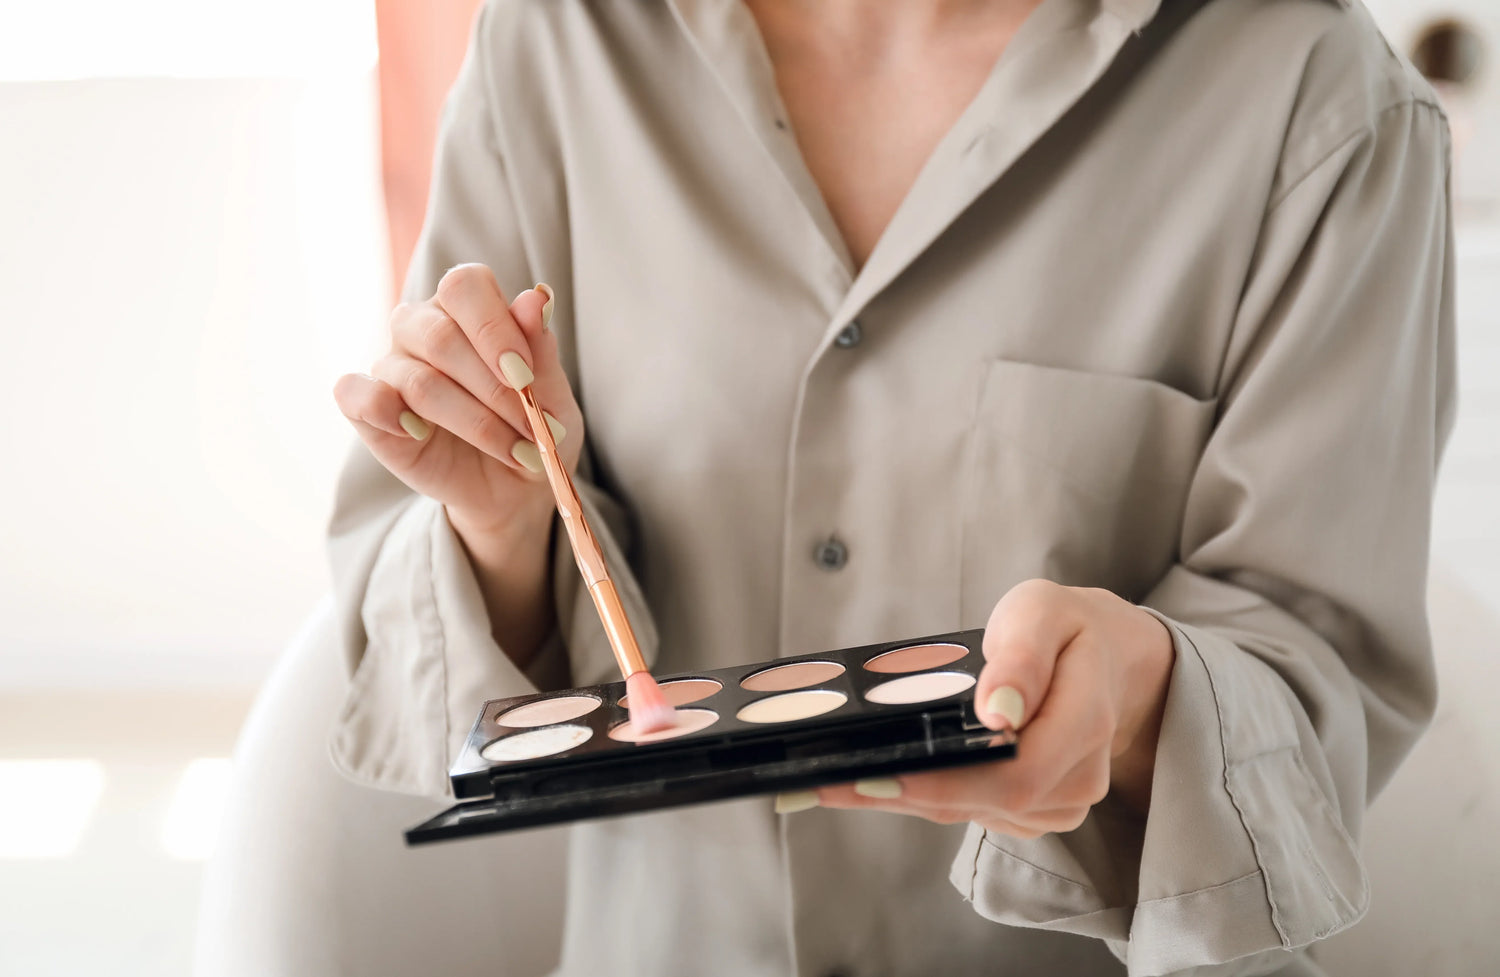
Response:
column 1077, row 477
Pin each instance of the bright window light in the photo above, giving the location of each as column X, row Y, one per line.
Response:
column 192, row 823
column 185, row 39
column 45, row 805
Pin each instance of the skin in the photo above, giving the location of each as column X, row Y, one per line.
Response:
column 444, row 367
column 870, row 89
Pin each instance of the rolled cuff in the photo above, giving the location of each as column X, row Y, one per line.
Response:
column 1242, row 857
column 430, row 661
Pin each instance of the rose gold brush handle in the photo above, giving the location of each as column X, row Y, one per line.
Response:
column 585, row 547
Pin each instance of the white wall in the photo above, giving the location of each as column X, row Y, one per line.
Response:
column 185, row 266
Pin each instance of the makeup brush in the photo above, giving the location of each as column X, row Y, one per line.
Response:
column 648, row 707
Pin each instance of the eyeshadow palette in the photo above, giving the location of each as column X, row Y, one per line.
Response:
column 789, row 724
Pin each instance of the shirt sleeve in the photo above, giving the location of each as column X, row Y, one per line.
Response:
column 1303, row 668
column 414, row 631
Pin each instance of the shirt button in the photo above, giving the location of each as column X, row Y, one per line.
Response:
column 831, row 554
column 849, row 336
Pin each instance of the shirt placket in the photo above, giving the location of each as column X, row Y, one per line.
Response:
column 1058, row 55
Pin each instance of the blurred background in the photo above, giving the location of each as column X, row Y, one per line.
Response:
column 205, row 208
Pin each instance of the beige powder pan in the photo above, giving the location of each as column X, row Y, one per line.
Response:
column 917, row 658
column 545, row 712
column 792, row 706
column 680, row 692
column 684, row 721
column 920, row 688
column 796, row 675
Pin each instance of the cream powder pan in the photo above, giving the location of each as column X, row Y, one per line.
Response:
column 792, row 706
column 920, row 688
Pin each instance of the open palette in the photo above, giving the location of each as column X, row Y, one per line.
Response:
column 789, row 724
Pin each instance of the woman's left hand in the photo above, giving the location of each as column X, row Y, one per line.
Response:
column 1084, row 673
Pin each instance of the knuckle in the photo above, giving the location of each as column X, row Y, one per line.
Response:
column 421, row 385
column 461, row 279
column 441, row 337
column 1069, row 819
column 486, row 429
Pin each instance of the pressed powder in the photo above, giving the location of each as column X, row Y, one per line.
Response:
column 536, row 743
column 545, row 712
column 797, row 675
column 920, row 688
column 680, row 692
column 916, row 658
column 792, row 706
column 684, row 721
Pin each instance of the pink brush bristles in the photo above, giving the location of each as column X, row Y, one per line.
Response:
column 649, row 711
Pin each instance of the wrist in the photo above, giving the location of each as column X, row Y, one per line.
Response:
column 494, row 542
column 1148, row 678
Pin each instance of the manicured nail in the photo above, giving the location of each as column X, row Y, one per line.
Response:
column 515, row 370
column 546, row 290
column 796, row 800
column 414, row 425
column 1006, row 703
column 527, row 454
column 884, row 788
column 555, row 426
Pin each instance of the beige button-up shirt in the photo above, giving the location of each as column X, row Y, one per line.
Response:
column 1169, row 311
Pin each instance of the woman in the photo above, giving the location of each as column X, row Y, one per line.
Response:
column 1123, row 326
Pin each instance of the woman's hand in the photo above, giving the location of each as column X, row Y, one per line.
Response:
column 440, row 409
column 1082, row 675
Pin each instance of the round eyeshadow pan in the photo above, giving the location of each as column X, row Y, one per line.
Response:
column 686, row 721
column 534, row 743
column 796, row 675
column 916, row 658
column 545, row 712
column 920, row 688
column 679, row 692
column 792, row 706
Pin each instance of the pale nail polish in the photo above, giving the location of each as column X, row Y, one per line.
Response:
column 515, row 370
column 527, row 454
column 555, row 426
column 797, row 800
column 414, row 425
column 1007, row 703
column 884, row 788
column 546, row 290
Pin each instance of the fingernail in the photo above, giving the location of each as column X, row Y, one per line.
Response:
column 1006, row 702
column 527, row 454
column 796, row 800
column 555, row 426
column 414, row 425
column 515, row 370
column 546, row 290
column 881, row 787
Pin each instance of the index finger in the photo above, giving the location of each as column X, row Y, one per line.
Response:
column 472, row 298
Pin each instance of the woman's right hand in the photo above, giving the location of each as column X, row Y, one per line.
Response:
column 441, row 413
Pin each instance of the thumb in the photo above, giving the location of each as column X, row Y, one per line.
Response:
column 1027, row 631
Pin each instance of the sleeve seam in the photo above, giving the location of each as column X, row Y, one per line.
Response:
column 1343, row 141
column 1239, row 810
column 1198, row 892
column 984, row 841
